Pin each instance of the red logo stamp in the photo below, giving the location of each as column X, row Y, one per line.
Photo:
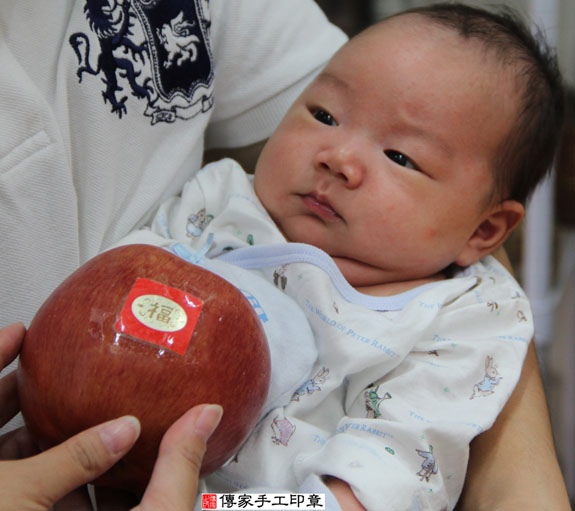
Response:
column 209, row 501
column 160, row 314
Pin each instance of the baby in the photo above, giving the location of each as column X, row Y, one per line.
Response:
column 375, row 206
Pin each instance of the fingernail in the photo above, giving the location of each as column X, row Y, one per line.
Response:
column 208, row 420
column 120, row 434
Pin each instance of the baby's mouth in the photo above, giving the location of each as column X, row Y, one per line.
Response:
column 320, row 206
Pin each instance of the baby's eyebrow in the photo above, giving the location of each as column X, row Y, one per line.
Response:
column 414, row 130
column 331, row 79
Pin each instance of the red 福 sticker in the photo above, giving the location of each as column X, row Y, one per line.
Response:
column 160, row 314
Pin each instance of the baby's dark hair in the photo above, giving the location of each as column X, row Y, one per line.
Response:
column 526, row 154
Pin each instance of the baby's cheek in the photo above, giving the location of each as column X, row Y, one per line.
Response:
column 431, row 233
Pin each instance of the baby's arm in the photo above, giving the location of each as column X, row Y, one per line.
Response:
column 513, row 465
column 498, row 479
column 501, row 474
column 344, row 495
column 450, row 387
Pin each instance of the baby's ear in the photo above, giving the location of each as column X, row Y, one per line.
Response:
column 497, row 224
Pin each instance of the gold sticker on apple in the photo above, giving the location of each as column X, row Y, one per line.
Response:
column 160, row 314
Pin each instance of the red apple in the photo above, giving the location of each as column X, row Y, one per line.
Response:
column 138, row 330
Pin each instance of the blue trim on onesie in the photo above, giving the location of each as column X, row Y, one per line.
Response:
column 260, row 256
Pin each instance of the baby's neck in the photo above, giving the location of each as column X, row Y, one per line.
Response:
column 376, row 281
column 394, row 288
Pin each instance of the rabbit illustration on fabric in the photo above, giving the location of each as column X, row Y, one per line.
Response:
column 197, row 223
column 428, row 465
column 490, row 380
column 280, row 279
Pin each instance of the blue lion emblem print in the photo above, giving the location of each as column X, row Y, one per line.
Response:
column 155, row 50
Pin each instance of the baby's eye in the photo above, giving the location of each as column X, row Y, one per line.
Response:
column 323, row 117
column 400, row 159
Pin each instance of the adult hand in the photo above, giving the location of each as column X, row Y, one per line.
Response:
column 37, row 482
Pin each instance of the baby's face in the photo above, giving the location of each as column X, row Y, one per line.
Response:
column 385, row 161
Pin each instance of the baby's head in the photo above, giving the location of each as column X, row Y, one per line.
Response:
column 416, row 146
column 525, row 155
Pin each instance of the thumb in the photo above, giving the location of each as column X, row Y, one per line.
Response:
column 53, row 474
column 174, row 482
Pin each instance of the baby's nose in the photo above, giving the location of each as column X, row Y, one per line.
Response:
column 345, row 162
